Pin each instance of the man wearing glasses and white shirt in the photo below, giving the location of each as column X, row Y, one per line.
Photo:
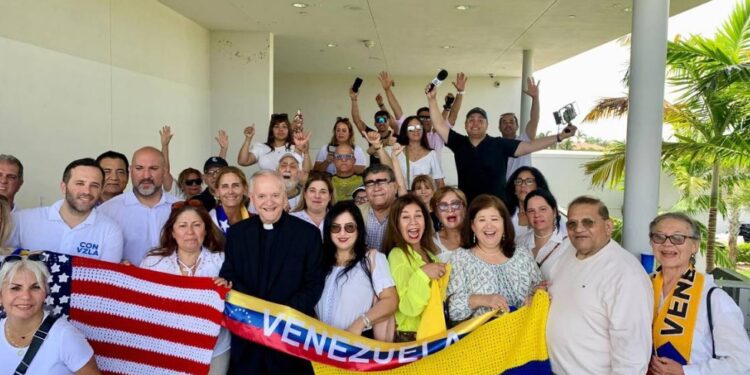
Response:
column 601, row 300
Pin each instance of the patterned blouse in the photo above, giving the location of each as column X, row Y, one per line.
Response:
column 514, row 280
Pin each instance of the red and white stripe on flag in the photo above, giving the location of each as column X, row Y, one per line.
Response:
column 145, row 322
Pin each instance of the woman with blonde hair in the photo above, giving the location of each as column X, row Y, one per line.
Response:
column 231, row 189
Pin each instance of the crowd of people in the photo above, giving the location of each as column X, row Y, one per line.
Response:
column 357, row 243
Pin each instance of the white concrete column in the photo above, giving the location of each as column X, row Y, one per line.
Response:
column 242, row 78
column 526, row 72
column 643, row 155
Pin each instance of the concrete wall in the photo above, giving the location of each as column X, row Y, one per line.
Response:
column 81, row 77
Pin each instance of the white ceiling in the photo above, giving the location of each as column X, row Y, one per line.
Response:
column 409, row 35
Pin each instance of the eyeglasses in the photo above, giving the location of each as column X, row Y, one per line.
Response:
column 381, row 119
column 344, row 157
column 675, row 239
column 190, row 202
column 194, row 182
column 586, row 223
column 414, row 128
column 370, row 184
column 453, row 206
column 424, row 118
column 36, row 257
column 524, row 181
column 212, row 172
column 348, row 227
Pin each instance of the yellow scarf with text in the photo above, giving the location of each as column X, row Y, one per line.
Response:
column 674, row 322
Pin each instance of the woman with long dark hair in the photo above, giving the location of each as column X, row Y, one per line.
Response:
column 417, row 157
column 279, row 142
column 524, row 180
column 413, row 260
column 191, row 245
column 359, row 291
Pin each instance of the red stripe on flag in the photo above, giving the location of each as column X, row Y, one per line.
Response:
column 178, row 281
column 148, row 358
column 138, row 327
column 255, row 334
column 192, row 309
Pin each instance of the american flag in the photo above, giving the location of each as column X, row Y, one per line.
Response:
column 138, row 321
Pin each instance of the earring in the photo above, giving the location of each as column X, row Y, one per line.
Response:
column 474, row 238
column 692, row 260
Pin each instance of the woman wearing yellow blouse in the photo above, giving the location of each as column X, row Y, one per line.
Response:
column 413, row 261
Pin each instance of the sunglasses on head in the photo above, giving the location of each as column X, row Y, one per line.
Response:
column 348, row 227
column 194, row 182
column 190, row 202
column 36, row 257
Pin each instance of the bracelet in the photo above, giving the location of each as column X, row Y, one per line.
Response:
column 558, row 138
column 366, row 320
column 460, row 93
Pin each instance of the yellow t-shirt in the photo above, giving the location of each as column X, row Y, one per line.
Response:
column 345, row 186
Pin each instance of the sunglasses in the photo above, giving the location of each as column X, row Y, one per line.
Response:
column 36, row 257
column 675, row 239
column 344, row 157
column 524, row 181
column 381, row 120
column 586, row 223
column 453, row 206
column 194, row 182
column 424, row 118
column 348, row 227
column 190, row 202
column 414, row 128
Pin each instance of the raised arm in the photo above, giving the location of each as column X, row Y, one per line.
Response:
column 302, row 146
column 165, row 134
column 223, row 140
column 400, row 181
column 542, row 143
column 387, row 82
column 356, row 117
column 460, row 85
column 245, row 157
column 376, row 148
column 438, row 123
column 532, row 90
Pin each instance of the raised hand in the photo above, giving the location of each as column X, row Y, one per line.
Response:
column 379, row 100
column 460, row 82
column 166, row 135
column 373, row 138
column 385, row 80
column 396, row 150
column 353, row 95
column 222, row 139
column 532, row 88
column 568, row 132
column 431, row 93
column 249, row 132
column 301, row 141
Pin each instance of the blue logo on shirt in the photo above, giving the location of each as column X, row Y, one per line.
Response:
column 87, row 248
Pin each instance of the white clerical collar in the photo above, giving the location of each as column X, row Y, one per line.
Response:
column 267, row 226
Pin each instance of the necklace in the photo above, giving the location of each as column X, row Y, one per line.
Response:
column 544, row 236
column 189, row 269
column 20, row 346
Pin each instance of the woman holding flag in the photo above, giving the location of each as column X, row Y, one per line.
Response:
column 191, row 245
column 698, row 329
column 231, row 188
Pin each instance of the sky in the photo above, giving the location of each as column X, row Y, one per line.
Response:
column 598, row 73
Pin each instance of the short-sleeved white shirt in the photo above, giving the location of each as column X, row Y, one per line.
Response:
column 346, row 299
column 521, row 161
column 269, row 159
column 141, row 225
column 429, row 165
column 359, row 157
column 43, row 228
column 209, row 265
column 64, row 352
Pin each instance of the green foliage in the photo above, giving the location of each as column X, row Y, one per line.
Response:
column 743, row 253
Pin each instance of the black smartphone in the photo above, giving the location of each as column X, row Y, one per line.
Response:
column 357, row 83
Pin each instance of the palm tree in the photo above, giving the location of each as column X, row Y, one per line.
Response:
column 711, row 117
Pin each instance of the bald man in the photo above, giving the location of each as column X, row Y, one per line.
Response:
column 142, row 212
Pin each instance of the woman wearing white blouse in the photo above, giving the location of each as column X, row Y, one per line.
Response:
column 547, row 239
column 316, row 200
column 359, row 291
column 191, row 245
column 278, row 143
column 418, row 157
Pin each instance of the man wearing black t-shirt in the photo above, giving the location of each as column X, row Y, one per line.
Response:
column 483, row 159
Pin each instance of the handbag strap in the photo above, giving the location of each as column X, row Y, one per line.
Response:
column 711, row 321
column 408, row 173
column 39, row 336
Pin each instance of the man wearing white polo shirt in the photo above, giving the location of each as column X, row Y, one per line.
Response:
column 72, row 225
column 142, row 212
